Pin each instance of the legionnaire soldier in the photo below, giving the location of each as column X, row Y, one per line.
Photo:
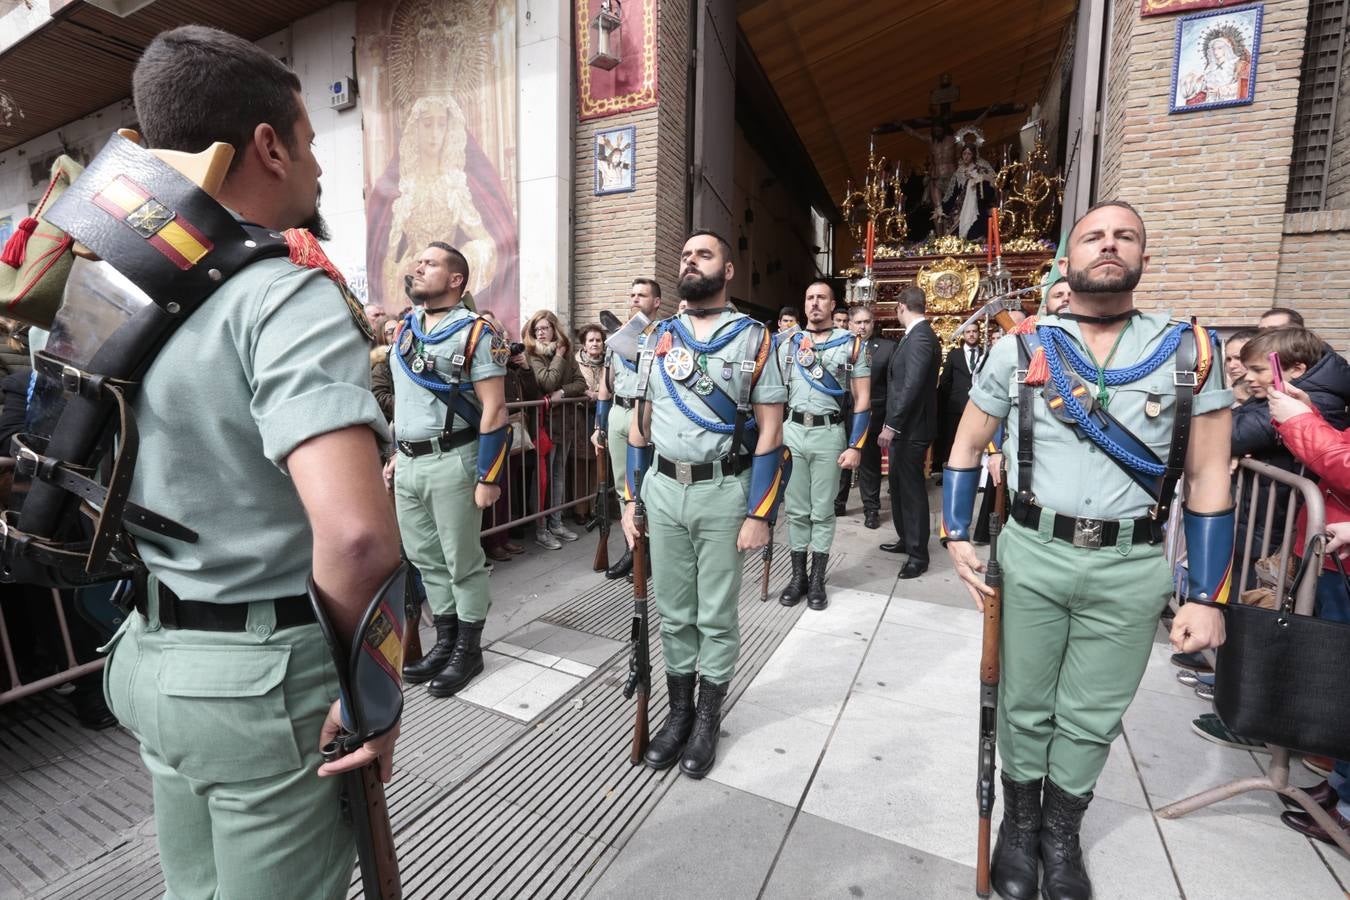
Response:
column 450, row 418
column 1123, row 402
column 710, row 400
column 618, row 388
column 223, row 674
column 822, row 366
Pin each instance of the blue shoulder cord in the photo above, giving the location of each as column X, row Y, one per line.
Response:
column 710, row 347
column 410, row 321
column 1056, row 341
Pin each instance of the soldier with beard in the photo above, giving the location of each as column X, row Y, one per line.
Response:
column 710, row 398
column 1099, row 402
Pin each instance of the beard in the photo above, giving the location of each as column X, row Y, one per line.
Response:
column 316, row 225
column 701, row 287
column 1082, row 281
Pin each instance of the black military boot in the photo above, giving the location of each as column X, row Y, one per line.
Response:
column 1017, row 852
column 1064, row 877
column 434, row 660
column 622, row 566
column 466, row 661
column 796, row 586
column 701, row 751
column 665, row 747
column 815, row 590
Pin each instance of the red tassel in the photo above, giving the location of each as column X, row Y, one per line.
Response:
column 18, row 243
column 1026, row 326
column 1038, row 371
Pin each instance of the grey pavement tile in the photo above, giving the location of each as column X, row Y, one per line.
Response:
column 703, row 840
column 578, row 646
column 1125, row 856
column 581, row 670
column 768, row 753
column 501, row 676
column 934, row 669
column 1119, row 780
column 1161, row 677
column 1218, row 856
column 507, row 648
column 901, row 772
column 851, row 614
column 536, row 695
column 1174, row 762
column 809, row 675
column 936, row 617
column 823, row 860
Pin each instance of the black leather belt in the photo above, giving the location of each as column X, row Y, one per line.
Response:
column 811, row 420
column 693, row 473
column 194, row 615
column 437, row 444
column 1083, row 532
column 625, row 402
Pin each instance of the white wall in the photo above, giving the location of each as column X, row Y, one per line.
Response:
column 319, row 48
column 544, row 150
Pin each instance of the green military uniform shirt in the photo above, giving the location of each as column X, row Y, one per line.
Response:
column 624, row 380
column 678, row 437
column 271, row 360
column 1065, row 466
column 802, row 394
column 418, row 413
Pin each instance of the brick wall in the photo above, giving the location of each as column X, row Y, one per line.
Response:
column 620, row 236
column 1211, row 185
column 1314, row 272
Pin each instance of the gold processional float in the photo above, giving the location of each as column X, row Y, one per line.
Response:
column 1017, row 253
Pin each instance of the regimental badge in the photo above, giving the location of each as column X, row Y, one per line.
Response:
column 679, row 362
column 1153, row 405
column 419, row 363
column 807, row 357
column 405, row 340
column 726, row 373
column 501, row 349
column 703, row 386
column 818, row 372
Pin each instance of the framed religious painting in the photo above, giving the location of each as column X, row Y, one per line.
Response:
column 1214, row 63
column 614, row 160
column 1163, row 7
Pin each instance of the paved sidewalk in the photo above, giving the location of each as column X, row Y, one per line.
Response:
column 846, row 768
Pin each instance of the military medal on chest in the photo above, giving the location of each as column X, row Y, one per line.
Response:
column 679, row 363
column 703, row 386
column 806, row 353
column 419, row 364
column 818, row 372
column 405, row 341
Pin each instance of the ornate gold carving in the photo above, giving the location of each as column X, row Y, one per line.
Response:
column 1030, row 197
column 949, row 286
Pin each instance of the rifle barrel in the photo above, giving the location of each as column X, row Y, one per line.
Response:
column 989, row 675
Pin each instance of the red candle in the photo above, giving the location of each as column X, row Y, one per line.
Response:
column 998, row 242
column 871, row 241
column 989, row 241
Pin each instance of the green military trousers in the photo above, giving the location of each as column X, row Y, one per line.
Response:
column 228, row 724
column 619, row 421
column 439, row 524
column 1078, row 625
column 809, row 501
column 696, row 570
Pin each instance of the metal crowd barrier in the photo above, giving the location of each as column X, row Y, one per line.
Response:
column 1256, row 481
column 522, row 501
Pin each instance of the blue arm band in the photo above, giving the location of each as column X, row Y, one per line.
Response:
column 769, row 473
column 602, row 414
column 1209, row 555
column 958, row 503
column 857, row 429
column 639, row 461
column 493, row 446
column 996, row 442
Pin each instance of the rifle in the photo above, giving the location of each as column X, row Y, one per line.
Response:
column 601, row 562
column 363, row 805
column 639, row 656
column 413, row 598
column 767, row 555
column 989, row 675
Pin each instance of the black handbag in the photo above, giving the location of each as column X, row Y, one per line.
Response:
column 1283, row 678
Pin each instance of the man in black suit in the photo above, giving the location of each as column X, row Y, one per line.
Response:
column 953, row 390
column 879, row 351
column 911, row 425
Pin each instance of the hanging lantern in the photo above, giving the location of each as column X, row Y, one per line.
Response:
column 607, row 36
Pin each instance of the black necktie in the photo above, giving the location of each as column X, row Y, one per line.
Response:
column 972, row 357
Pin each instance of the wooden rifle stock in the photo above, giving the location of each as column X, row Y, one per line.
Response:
column 601, row 562
column 412, row 612
column 639, row 657
column 363, row 804
column 989, row 676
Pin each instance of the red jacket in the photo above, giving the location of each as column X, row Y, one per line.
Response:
column 1326, row 452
